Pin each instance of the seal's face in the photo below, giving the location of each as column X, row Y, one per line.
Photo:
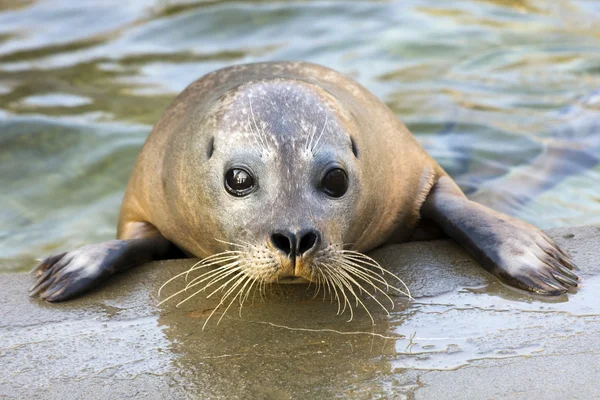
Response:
column 285, row 178
column 282, row 185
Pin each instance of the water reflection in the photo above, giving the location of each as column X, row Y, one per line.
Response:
column 487, row 86
column 292, row 345
column 287, row 346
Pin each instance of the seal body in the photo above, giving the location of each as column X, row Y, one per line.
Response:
column 292, row 170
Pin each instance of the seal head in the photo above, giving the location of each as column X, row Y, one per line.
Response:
column 281, row 179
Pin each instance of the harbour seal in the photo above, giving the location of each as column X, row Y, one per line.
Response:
column 292, row 171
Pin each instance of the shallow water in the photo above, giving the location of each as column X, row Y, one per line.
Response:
column 486, row 86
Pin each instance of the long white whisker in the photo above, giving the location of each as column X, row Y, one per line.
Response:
column 243, row 300
column 222, row 276
column 343, row 284
column 330, row 290
column 258, row 131
column 204, row 288
column 310, row 138
column 245, row 279
column 240, row 278
column 219, row 270
column 349, row 280
column 243, row 246
column 213, row 274
column 366, row 279
column 348, row 276
column 370, row 275
column 359, row 257
column 222, row 286
column 200, row 264
column 319, row 138
column 366, row 271
column 224, row 259
column 331, row 285
column 255, row 136
column 317, row 279
column 338, row 284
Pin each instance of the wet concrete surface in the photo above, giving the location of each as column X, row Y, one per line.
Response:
column 464, row 336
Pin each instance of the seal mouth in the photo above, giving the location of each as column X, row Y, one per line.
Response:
column 292, row 279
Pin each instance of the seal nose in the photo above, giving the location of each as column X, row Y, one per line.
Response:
column 308, row 241
column 284, row 241
column 293, row 245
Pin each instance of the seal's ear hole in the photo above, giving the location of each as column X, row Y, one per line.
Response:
column 354, row 149
column 211, row 147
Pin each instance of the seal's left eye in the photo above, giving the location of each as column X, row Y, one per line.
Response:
column 239, row 182
column 335, row 183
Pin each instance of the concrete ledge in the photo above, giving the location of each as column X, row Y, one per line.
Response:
column 465, row 336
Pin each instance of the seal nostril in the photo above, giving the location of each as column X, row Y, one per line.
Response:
column 307, row 242
column 282, row 242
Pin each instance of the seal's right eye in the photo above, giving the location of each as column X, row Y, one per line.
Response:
column 335, row 183
column 239, row 182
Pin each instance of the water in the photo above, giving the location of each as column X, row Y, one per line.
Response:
column 487, row 86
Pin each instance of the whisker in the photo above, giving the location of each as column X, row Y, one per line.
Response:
column 328, row 283
column 243, row 246
column 214, row 274
column 255, row 137
column 224, row 270
column 247, row 294
column 194, row 267
column 366, row 271
column 332, row 288
column 212, row 263
column 344, row 284
column 351, row 279
column 246, row 279
column 247, row 244
column 319, row 138
column 240, row 278
column 372, row 276
column 367, row 279
column 309, row 137
column 258, row 150
column 219, row 277
column 317, row 279
column 203, row 288
column 359, row 257
column 263, row 143
column 223, row 285
column 338, row 284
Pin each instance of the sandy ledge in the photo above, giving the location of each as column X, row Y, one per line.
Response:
column 464, row 336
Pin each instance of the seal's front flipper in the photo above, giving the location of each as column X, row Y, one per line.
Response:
column 518, row 253
column 69, row 274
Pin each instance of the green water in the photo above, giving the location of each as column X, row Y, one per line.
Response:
column 487, row 86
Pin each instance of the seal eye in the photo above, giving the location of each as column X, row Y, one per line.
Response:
column 239, row 182
column 335, row 183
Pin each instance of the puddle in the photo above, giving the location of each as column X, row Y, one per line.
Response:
column 451, row 330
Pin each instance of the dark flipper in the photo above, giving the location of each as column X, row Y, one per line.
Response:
column 69, row 274
column 518, row 253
